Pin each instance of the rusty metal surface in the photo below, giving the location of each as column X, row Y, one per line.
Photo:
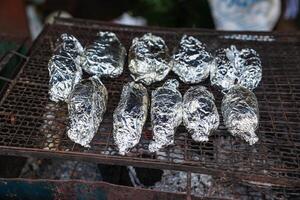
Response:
column 27, row 129
column 18, row 188
column 76, row 189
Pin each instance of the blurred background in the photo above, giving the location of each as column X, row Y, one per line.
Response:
column 26, row 17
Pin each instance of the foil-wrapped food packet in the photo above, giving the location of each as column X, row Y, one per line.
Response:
column 240, row 113
column 223, row 70
column 64, row 67
column 191, row 61
column 200, row 114
column 233, row 67
column 130, row 116
column 149, row 59
column 166, row 114
column 250, row 72
column 104, row 57
column 87, row 105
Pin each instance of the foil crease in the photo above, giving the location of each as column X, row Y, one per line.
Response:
column 166, row 114
column 251, row 69
column 130, row 116
column 200, row 114
column 191, row 61
column 233, row 67
column 105, row 56
column 149, row 59
column 87, row 105
column 223, row 72
column 64, row 68
column 240, row 113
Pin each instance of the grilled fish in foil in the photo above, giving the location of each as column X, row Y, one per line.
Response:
column 240, row 113
column 191, row 61
column 130, row 116
column 250, row 72
column 64, row 68
column 233, row 67
column 149, row 59
column 223, row 70
column 200, row 114
column 166, row 114
column 105, row 56
column 87, row 104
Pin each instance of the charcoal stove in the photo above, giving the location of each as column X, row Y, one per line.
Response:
column 32, row 125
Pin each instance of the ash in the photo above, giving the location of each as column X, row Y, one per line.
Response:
column 58, row 169
column 176, row 181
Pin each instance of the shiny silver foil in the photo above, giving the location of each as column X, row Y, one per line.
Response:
column 166, row 114
column 64, row 68
column 149, row 59
column 223, row 70
column 87, row 104
column 240, row 113
column 233, row 67
column 200, row 114
column 250, row 72
column 105, row 56
column 191, row 61
column 130, row 116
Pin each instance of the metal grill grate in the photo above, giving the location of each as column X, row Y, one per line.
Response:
column 30, row 124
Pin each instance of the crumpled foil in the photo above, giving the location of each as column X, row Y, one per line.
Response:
column 223, row 72
column 251, row 69
column 105, row 56
column 240, row 113
column 130, row 116
column 191, row 61
column 64, row 68
column 87, row 105
column 200, row 114
column 166, row 114
column 233, row 67
column 149, row 59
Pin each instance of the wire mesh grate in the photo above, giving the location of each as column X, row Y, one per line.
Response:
column 31, row 124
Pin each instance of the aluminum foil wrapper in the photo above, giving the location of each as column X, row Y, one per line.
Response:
column 240, row 113
column 233, row 67
column 191, row 61
column 250, row 67
column 200, row 114
column 87, row 105
column 64, row 68
column 130, row 116
column 166, row 114
column 223, row 70
column 149, row 59
column 105, row 56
